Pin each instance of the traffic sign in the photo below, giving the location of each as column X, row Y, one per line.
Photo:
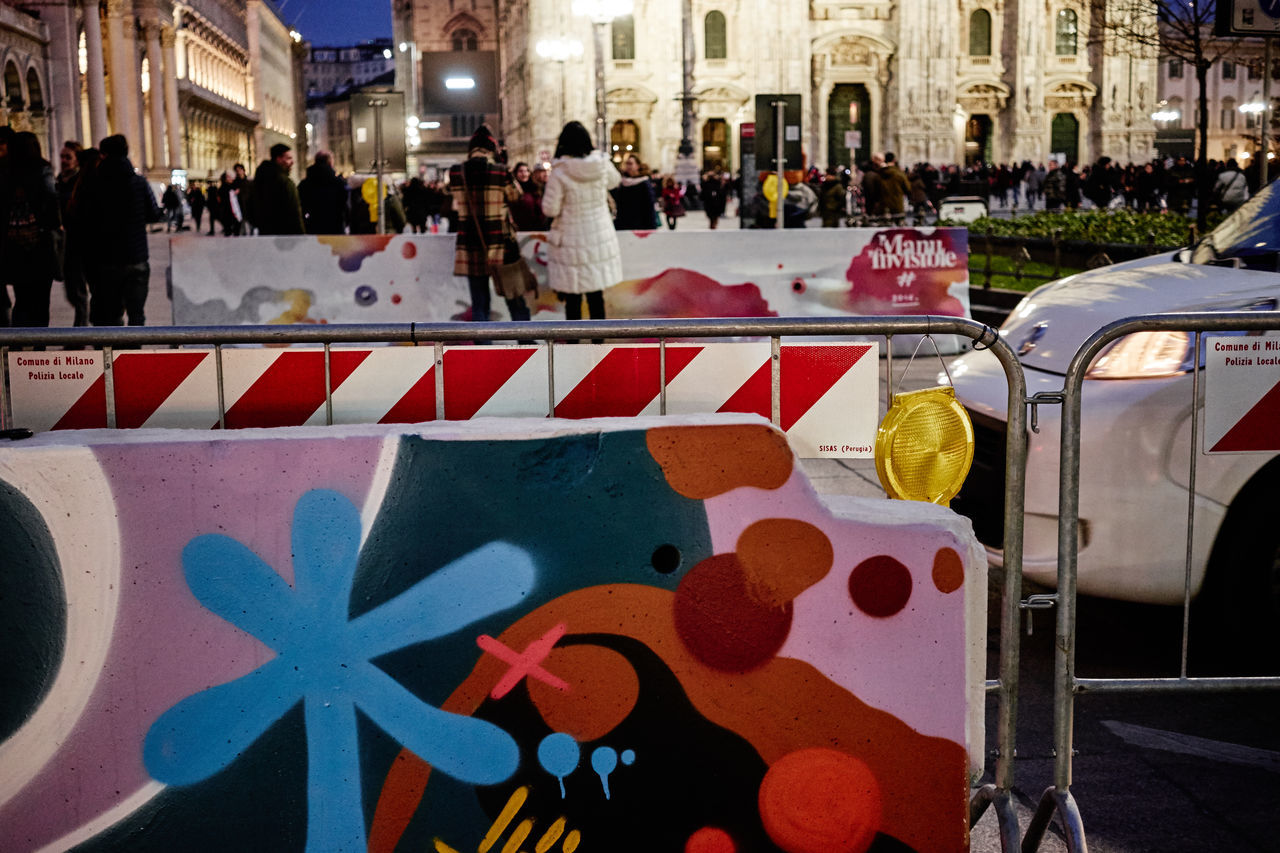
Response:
column 1248, row 17
column 1242, row 394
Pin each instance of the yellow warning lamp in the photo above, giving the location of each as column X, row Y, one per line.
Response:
column 770, row 191
column 369, row 192
column 924, row 446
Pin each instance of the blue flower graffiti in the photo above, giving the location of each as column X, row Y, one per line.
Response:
column 324, row 661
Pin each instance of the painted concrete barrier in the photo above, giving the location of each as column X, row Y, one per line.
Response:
column 608, row 635
column 404, row 278
column 828, row 392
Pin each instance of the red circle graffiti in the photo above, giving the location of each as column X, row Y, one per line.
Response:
column 880, row 586
column 721, row 624
column 710, row 839
column 820, row 801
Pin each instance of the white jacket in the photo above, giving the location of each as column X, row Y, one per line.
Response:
column 584, row 247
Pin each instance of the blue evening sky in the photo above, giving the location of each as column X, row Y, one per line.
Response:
column 337, row 22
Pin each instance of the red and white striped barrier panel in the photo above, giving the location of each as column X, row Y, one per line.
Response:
column 828, row 393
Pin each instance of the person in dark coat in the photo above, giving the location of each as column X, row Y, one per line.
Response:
column 896, row 187
column 245, row 222
column 32, row 231
column 195, row 198
column 213, row 201
column 415, row 205
column 634, row 198
column 715, row 195
column 231, row 207
column 831, row 200
column 872, row 189
column 120, row 205
column 481, row 188
column 527, row 210
column 73, row 283
column 276, row 208
column 323, row 197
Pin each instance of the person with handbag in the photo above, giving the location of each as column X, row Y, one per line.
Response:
column 584, row 257
column 486, row 247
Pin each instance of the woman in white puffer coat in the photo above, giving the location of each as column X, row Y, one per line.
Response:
column 584, row 256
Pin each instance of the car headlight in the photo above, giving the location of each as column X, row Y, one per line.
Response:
column 1144, row 355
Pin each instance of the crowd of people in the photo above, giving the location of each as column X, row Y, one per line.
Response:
column 86, row 224
column 879, row 191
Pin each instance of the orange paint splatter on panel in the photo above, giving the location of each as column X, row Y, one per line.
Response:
column 701, row 462
column 783, row 706
column 948, row 570
column 820, row 801
column 603, row 688
column 782, row 557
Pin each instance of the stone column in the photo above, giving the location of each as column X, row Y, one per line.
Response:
column 95, row 74
column 155, row 77
column 134, row 59
column 168, row 38
column 123, row 88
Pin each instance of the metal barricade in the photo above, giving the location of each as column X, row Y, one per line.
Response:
column 1057, row 799
column 996, row 794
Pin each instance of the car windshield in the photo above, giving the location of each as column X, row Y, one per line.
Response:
column 1251, row 234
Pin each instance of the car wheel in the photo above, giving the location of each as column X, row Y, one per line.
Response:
column 1241, row 597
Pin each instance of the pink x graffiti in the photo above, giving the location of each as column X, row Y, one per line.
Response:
column 526, row 663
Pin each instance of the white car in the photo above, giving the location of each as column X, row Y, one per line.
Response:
column 1135, row 432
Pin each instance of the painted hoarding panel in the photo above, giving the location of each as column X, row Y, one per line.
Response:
column 403, row 278
column 612, row 636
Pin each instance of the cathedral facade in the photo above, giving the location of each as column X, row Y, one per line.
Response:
column 944, row 82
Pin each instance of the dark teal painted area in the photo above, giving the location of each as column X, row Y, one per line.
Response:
column 33, row 610
column 259, row 803
column 589, row 509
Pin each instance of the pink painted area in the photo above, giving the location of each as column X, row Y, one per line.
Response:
column 911, row 664
column 166, row 645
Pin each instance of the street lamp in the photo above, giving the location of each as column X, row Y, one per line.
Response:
column 1259, row 109
column 559, row 50
column 601, row 13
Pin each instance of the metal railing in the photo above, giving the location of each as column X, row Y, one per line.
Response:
column 998, row 794
column 1057, row 799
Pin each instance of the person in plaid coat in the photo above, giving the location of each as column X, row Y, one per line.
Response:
column 481, row 188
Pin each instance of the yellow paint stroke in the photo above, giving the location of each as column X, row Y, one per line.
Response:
column 571, row 841
column 517, row 838
column 441, row 847
column 550, row 837
column 504, row 820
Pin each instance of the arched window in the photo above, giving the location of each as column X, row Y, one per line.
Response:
column 13, row 88
column 624, row 37
column 624, row 139
column 980, row 33
column 464, row 40
column 35, row 92
column 1065, row 32
column 717, row 46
